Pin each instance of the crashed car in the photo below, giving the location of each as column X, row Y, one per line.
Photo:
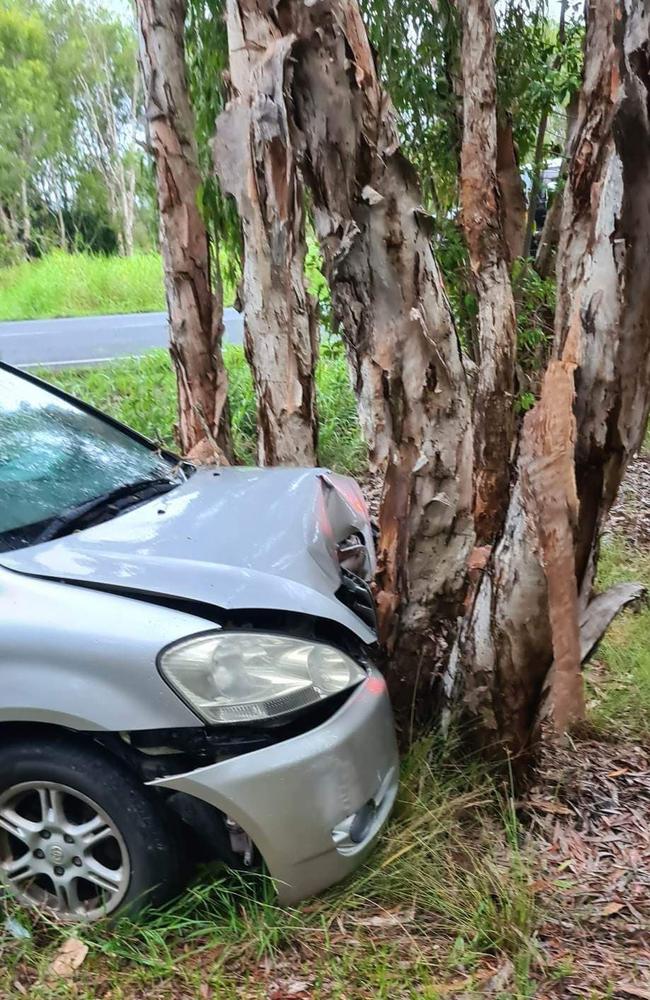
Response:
column 186, row 658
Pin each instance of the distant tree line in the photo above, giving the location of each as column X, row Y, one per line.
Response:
column 73, row 169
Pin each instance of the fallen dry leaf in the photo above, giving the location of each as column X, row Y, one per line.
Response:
column 500, row 979
column 548, row 807
column 68, row 958
column 633, row 991
column 284, row 988
column 611, row 909
column 385, row 920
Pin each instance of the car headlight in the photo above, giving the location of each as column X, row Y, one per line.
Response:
column 246, row 676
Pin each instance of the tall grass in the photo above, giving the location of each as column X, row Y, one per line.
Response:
column 141, row 392
column 81, row 284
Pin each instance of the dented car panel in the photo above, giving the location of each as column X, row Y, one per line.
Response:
column 294, row 799
column 211, row 630
column 236, row 538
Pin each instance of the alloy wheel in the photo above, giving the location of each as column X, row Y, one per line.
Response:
column 60, row 851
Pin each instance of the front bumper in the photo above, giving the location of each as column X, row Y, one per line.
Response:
column 296, row 799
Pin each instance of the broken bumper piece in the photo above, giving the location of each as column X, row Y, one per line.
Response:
column 315, row 804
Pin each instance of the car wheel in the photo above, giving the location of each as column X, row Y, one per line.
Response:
column 79, row 835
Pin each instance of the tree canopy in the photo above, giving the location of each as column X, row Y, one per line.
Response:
column 72, row 168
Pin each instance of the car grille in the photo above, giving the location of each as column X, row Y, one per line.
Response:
column 356, row 594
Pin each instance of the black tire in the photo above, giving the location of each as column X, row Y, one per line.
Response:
column 147, row 832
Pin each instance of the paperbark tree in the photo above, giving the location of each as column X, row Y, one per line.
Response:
column 195, row 315
column 109, row 136
column 507, row 623
column 496, row 345
column 255, row 161
column 534, row 617
column 389, row 301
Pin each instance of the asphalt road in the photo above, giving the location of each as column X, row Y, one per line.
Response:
column 91, row 339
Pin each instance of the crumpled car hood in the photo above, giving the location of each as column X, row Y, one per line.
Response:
column 233, row 538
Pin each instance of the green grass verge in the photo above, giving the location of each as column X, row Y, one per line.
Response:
column 84, row 284
column 619, row 682
column 141, row 392
column 81, row 284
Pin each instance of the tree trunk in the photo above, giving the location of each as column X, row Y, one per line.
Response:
column 538, row 161
column 389, row 301
column 536, row 184
column 196, row 324
column 63, row 239
column 128, row 211
column 514, row 619
column 488, row 253
column 128, row 175
column 26, row 216
column 525, row 635
column 550, row 235
column 604, row 257
column 7, row 224
column 511, row 189
column 255, row 161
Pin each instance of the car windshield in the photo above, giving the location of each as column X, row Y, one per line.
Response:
column 55, row 456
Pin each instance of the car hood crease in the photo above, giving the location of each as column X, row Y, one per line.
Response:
column 233, row 538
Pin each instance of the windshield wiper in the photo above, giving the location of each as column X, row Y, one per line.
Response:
column 112, row 502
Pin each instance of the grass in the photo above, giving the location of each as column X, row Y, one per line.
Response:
column 85, row 284
column 620, row 681
column 446, row 898
column 81, row 284
column 142, row 393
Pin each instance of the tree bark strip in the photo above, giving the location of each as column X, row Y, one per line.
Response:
column 255, row 160
column 488, row 253
column 195, row 317
column 389, row 301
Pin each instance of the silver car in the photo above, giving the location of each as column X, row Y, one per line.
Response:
column 186, row 666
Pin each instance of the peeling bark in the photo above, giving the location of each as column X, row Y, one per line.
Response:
column 601, row 611
column 389, row 301
column 488, row 253
column 548, row 479
column 195, row 318
column 255, row 160
column 510, row 618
